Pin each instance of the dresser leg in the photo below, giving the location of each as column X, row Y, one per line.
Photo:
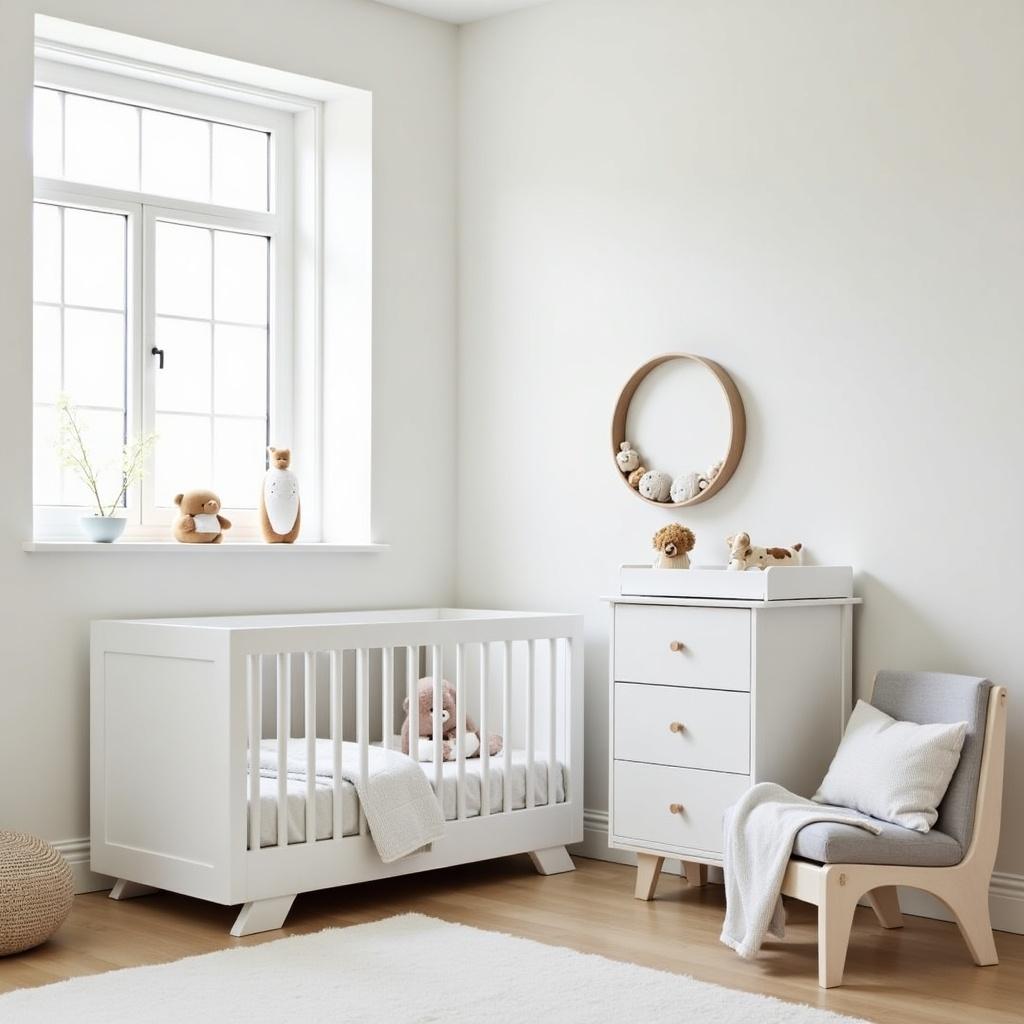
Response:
column 648, row 870
column 696, row 874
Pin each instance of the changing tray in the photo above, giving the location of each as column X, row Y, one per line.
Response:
column 776, row 583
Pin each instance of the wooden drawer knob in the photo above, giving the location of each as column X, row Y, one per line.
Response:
column 675, row 727
column 675, row 808
column 676, row 645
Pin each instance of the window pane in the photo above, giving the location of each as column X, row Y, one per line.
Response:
column 79, row 350
column 46, row 353
column 103, row 433
column 94, row 258
column 47, row 131
column 46, row 253
column 240, row 158
column 94, row 354
column 240, row 370
column 102, row 142
column 45, row 465
column 183, row 385
column 239, row 460
column 182, row 456
column 240, row 277
column 182, row 270
column 175, row 156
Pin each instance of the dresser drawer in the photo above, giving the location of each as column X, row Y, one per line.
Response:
column 683, row 726
column 644, row 793
column 674, row 646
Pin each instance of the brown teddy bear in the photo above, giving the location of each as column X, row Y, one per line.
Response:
column 425, row 751
column 199, row 521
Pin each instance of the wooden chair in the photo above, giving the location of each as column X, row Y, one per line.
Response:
column 833, row 866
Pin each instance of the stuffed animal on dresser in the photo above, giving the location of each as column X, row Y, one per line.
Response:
column 673, row 544
column 449, row 719
column 280, row 513
column 743, row 555
column 199, row 520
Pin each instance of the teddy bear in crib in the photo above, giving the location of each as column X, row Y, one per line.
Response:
column 743, row 555
column 425, row 750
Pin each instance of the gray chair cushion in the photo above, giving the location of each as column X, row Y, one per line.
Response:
column 829, row 843
column 926, row 697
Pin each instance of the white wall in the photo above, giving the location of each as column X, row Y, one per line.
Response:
column 47, row 600
column 824, row 196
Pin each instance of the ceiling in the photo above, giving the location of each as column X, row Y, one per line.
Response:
column 461, row 11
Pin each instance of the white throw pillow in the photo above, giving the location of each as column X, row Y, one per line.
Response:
column 895, row 771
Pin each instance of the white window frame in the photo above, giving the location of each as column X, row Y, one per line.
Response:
column 146, row 518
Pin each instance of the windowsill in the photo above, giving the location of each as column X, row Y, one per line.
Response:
column 169, row 546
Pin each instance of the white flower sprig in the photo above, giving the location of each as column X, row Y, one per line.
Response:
column 73, row 453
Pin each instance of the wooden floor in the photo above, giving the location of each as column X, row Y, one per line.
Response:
column 919, row 974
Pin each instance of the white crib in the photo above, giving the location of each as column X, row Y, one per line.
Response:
column 181, row 707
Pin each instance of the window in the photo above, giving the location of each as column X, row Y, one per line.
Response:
column 162, row 288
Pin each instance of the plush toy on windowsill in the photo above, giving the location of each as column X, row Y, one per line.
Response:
column 743, row 555
column 673, row 544
column 425, row 749
column 280, row 514
column 199, row 520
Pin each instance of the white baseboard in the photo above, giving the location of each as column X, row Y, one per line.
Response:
column 76, row 853
column 1006, row 893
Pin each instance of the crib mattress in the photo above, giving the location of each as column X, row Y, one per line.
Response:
column 350, row 799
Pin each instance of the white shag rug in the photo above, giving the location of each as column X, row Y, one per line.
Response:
column 407, row 968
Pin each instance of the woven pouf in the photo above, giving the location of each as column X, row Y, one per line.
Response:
column 35, row 891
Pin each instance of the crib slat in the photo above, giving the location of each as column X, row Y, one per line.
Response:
column 412, row 696
column 531, row 679
column 363, row 726
column 485, row 727
column 254, row 686
column 337, row 735
column 309, row 676
column 284, row 728
column 437, row 725
column 552, row 717
column 388, row 697
column 460, row 731
column 572, row 652
column 506, row 726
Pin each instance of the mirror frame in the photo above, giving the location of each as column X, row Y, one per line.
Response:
column 737, row 416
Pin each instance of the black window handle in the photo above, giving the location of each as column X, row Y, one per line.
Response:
column 158, row 352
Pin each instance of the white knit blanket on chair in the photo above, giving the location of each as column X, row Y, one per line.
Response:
column 760, row 829
column 401, row 810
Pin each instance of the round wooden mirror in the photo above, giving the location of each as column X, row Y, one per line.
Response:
column 683, row 418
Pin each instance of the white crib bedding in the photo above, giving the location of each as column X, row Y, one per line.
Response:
column 350, row 800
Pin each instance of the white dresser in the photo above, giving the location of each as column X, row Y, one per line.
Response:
column 709, row 697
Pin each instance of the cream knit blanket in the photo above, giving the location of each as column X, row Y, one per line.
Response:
column 760, row 829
